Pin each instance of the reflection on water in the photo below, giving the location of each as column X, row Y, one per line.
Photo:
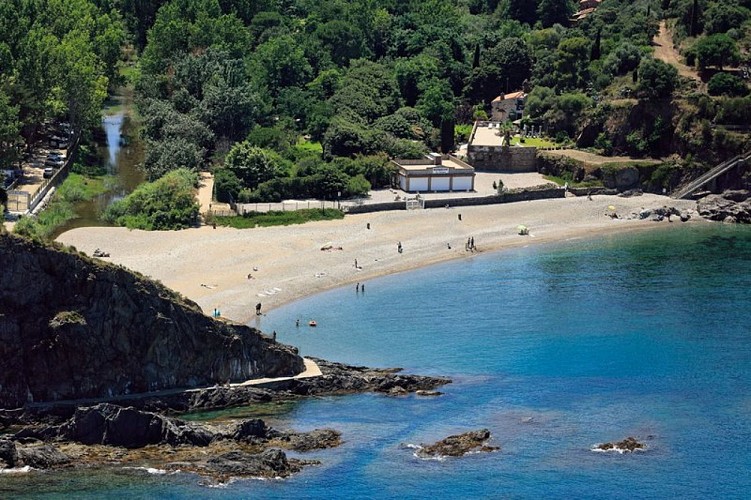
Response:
column 121, row 151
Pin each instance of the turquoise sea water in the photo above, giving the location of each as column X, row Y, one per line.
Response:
column 553, row 348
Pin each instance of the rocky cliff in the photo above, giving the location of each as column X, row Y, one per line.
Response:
column 72, row 327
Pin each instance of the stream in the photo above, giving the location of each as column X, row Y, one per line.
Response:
column 120, row 149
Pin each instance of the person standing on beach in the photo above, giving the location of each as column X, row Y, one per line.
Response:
column 362, row 287
column 357, row 287
column 356, row 264
column 258, row 309
column 399, row 247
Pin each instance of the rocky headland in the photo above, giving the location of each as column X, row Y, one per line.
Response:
column 95, row 361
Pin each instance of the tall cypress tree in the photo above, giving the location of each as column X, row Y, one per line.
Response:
column 694, row 29
column 595, row 52
column 476, row 58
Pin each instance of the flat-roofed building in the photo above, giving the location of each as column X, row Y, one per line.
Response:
column 435, row 173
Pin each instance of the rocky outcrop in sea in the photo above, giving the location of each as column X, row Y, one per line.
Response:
column 628, row 445
column 458, row 445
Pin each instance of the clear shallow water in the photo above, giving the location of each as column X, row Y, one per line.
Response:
column 553, row 348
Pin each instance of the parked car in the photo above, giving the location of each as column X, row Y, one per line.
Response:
column 48, row 172
column 53, row 162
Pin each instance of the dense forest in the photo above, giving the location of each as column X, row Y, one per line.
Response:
column 290, row 98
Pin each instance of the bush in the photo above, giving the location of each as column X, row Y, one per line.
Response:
column 735, row 111
column 656, row 78
column 226, row 185
column 167, row 203
column 726, row 84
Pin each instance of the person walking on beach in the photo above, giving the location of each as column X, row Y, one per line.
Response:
column 472, row 243
column 399, row 247
column 362, row 288
column 357, row 287
column 258, row 309
column 356, row 264
column 273, row 336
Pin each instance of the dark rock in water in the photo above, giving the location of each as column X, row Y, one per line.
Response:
column 731, row 206
column 318, row 439
column 249, row 430
column 270, row 463
column 458, row 445
column 8, row 453
column 428, row 393
column 73, row 327
column 127, row 427
column 42, row 457
column 628, row 445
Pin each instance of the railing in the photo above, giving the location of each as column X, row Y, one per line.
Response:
column 711, row 175
column 58, row 176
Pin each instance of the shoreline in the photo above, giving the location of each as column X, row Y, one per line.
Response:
column 211, row 266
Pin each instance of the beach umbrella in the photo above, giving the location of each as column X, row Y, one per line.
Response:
column 522, row 229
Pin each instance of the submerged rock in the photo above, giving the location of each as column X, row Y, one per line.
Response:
column 628, row 445
column 458, row 445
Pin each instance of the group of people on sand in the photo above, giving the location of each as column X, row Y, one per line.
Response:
column 470, row 245
column 359, row 287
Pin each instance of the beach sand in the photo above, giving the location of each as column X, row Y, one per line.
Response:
column 211, row 266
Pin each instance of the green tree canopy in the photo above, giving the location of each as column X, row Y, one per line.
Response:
column 657, row 79
column 253, row 165
column 716, row 50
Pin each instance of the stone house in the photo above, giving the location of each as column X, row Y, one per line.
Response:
column 507, row 107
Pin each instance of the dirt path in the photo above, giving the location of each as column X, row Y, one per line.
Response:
column 666, row 52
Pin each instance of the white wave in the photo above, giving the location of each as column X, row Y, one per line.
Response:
column 17, row 470
column 150, row 470
column 620, row 451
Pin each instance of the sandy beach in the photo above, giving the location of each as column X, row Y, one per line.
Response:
column 212, row 266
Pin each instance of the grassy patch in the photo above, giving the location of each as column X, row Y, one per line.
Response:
column 60, row 210
column 537, row 142
column 309, row 146
column 253, row 219
column 78, row 187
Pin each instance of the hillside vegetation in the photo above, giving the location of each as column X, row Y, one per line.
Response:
column 234, row 85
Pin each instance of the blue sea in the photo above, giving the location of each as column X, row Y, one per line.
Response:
column 554, row 348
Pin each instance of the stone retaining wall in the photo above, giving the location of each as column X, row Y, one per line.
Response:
column 503, row 159
column 507, row 197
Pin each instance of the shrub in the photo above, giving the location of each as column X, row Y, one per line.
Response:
column 726, row 84
column 226, row 185
column 167, row 203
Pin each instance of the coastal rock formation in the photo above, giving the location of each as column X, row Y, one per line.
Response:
column 115, row 435
column 268, row 464
column 628, row 445
column 458, row 445
column 8, row 453
column 730, row 206
column 73, row 327
column 127, row 427
column 45, row 456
